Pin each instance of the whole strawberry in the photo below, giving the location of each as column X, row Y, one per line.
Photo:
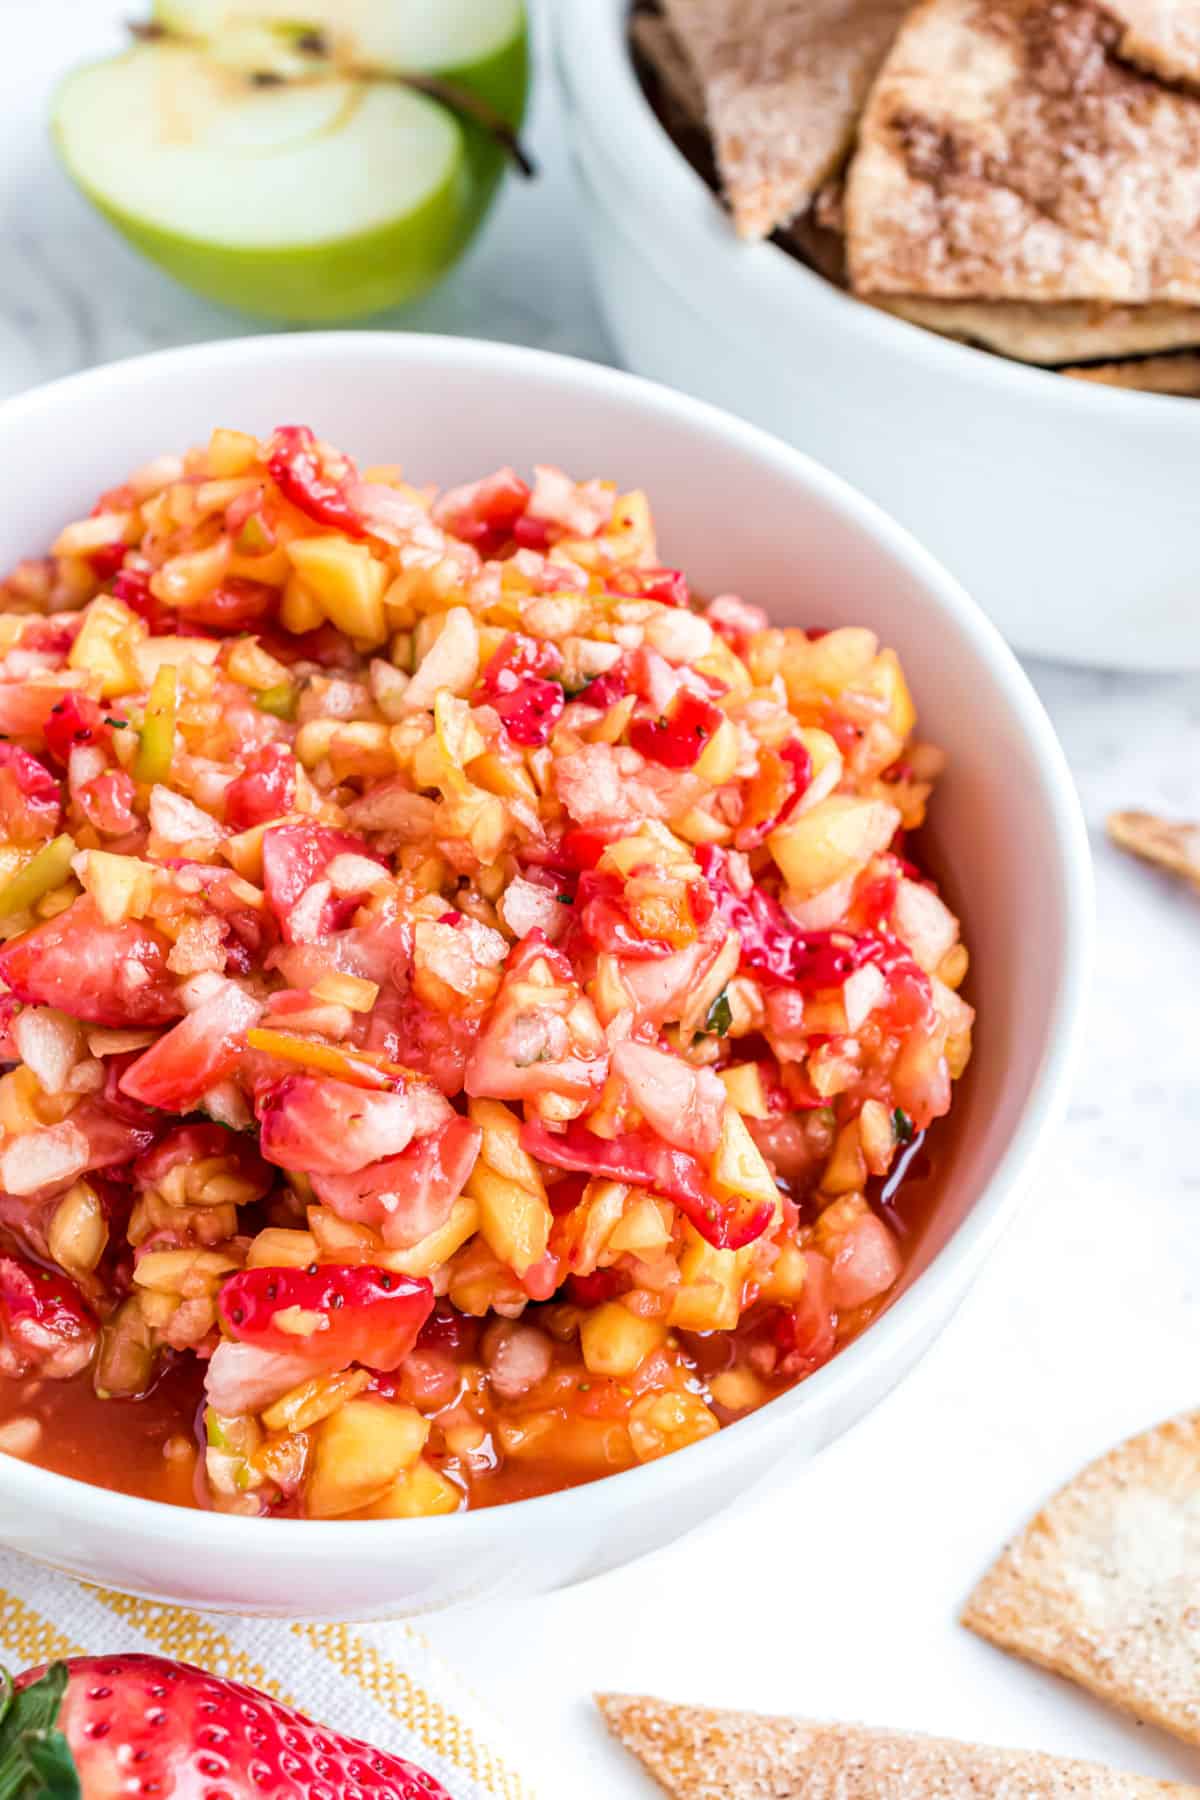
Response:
column 128, row 1727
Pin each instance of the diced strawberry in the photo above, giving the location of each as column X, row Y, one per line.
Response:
column 132, row 587
column 105, row 562
column 598, row 1287
column 485, row 512
column 406, row 1197
column 235, row 604
column 264, row 790
column 514, row 683
column 296, row 856
column 112, row 1140
column 74, row 721
column 107, row 802
column 102, row 974
column 677, row 740
column 339, row 1314
column 320, row 1126
column 45, row 1328
column 644, row 1160
column 806, row 1333
column 30, row 797
column 773, row 945
column 203, row 1049
column 305, row 477
column 606, row 689
column 668, row 586
column 136, row 1724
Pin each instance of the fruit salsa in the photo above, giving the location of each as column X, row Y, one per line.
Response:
column 467, row 1003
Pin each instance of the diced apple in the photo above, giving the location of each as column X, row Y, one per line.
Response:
column 832, row 841
column 615, row 1341
column 360, row 1450
column 104, row 647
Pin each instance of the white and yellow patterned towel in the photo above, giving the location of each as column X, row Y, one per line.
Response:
column 379, row 1682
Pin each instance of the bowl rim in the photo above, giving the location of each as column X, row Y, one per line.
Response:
column 951, row 1270
column 596, row 69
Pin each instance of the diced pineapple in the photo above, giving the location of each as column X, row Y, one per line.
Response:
column 244, row 852
column 644, row 1225
column 738, row 1166
column 784, row 1281
column 510, row 780
column 822, row 751
column 746, row 1090
column 456, row 731
column 121, row 886
column 248, row 663
column 187, row 1272
column 819, row 668
column 615, row 1341
column 422, row 1258
column 738, row 1389
column 359, row 1451
column 422, row 1492
column 651, row 846
column 300, row 610
column 709, row 1297
column 846, row 1170
column 104, row 647
column 277, row 1248
column 353, row 991
column 304, row 1406
column 176, row 653
column 831, row 841
column 78, row 1231
column 515, row 1222
column 501, row 1149
column 230, row 453
column 719, row 757
column 347, row 581
column 662, row 1423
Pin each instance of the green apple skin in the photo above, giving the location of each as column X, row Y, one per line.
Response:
column 369, row 272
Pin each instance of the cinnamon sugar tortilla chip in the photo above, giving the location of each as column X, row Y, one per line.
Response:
column 1146, row 375
column 1006, row 153
column 1174, row 847
column 1162, row 36
column 697, row 1753
column 784, row 83
column 1104, row 1585
column 656, row 41
column 1070, row 331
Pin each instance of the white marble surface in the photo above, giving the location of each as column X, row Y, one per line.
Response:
column 837, row 1595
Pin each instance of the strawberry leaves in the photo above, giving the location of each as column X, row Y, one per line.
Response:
column 35, row 1758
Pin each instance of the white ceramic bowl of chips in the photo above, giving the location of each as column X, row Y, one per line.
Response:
column 1068, row 510
column 736, row 509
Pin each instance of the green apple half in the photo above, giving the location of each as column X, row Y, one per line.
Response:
column 263, row 154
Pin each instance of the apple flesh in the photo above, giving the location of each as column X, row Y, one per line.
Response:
column 299, row 184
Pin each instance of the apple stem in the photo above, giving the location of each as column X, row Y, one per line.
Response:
column 468, row 104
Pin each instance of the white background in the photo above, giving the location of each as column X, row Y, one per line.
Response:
column 835, row 1595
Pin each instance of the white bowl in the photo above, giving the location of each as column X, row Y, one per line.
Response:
column 1068, row 510
column 737, row 510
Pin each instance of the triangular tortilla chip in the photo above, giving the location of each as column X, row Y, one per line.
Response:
column 1104, row 1585
column 1171, row 846
column 784, row 83
column 676, row 72
column 1006, row 153
column 697, row 1753
column 1073, row 331
column 1162, row 36
column 1178, row 375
